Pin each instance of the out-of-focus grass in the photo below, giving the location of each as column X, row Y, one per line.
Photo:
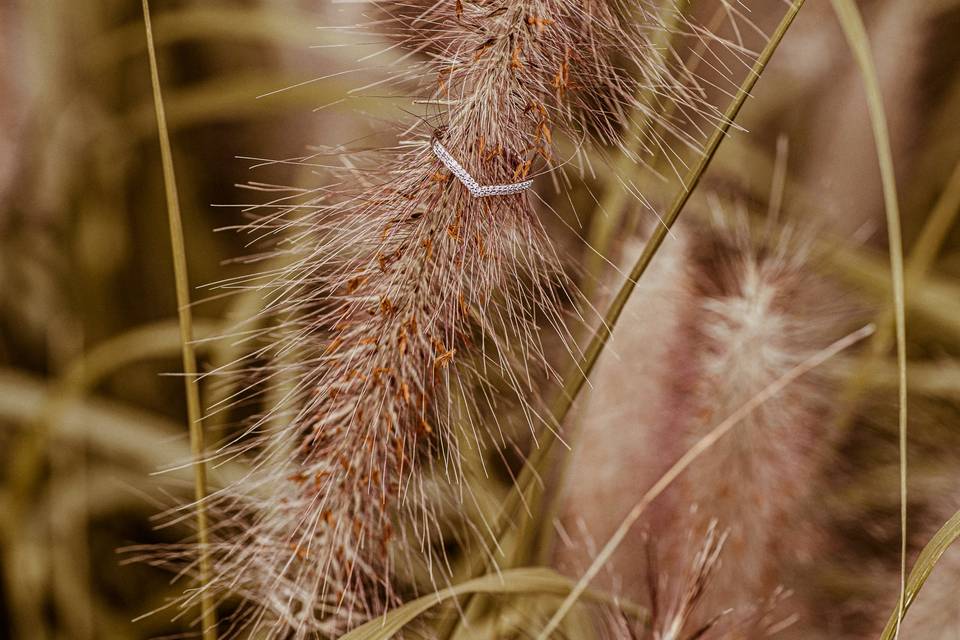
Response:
column 83, row 261
column 852, row 23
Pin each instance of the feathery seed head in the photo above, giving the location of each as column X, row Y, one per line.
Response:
column 397, row 300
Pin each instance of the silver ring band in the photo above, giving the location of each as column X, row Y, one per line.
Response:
column 474, row 187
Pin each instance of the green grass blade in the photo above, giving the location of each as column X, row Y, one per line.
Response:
column 856, row 34
column 208, row 613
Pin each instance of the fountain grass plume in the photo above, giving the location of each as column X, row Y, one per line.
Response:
column 403, row 306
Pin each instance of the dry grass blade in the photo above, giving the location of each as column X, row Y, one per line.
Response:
column 208, row 613
column 286, row 28
column 537, row 581
column 931, row 553
column 688, row 458
column 155, row 340
column 855, row 32
column 116, row 430
column 935, row 230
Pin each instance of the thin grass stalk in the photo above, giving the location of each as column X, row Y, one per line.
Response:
column 613, row 199
column 701, row 446
column 856, row 35
column 197, row 447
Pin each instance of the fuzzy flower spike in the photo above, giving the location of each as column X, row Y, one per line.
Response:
column 403, row 297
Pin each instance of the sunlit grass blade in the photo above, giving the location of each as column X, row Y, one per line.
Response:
column 856, row 34
column 208, row 614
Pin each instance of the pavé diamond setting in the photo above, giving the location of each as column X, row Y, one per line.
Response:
column 474, row 187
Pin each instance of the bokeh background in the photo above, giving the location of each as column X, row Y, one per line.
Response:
column 90, row 406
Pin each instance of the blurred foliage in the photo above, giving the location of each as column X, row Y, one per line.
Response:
column 87, row 306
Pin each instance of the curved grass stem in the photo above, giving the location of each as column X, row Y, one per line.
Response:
column 208, row 613
column 856, row 34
